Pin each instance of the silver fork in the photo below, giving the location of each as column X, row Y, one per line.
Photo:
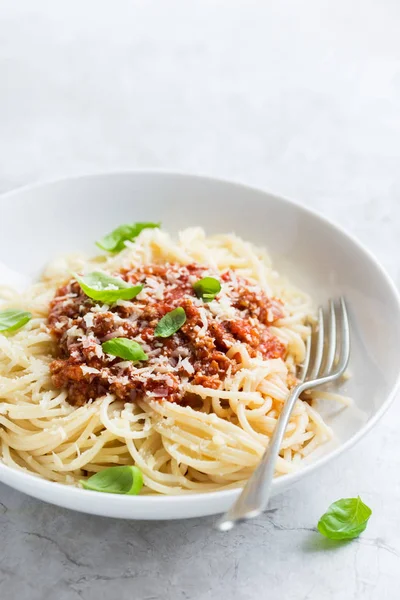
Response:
column 326, row 360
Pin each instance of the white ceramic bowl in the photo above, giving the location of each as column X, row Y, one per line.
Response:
column 42, row 221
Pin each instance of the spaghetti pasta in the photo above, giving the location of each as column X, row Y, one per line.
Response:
column 212, row 442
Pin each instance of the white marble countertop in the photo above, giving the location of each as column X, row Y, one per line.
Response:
column 299, row 98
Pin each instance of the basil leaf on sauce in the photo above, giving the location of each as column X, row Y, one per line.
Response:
column 124, row 348
column 116, row 480
column 345, row 519
column 170, row 323
column 115, row 241
column 12, row 319
column 103, row 288
column 207, row 288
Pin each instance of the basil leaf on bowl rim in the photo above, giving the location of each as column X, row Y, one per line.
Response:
column 345, row 519
column 115, row 241
column 116, row 480
column 104, row 288
column 12, row 319
column 124, row 348
column 207, row 288
column 170, row 323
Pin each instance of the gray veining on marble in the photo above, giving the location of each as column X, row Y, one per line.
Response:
column 300, row 98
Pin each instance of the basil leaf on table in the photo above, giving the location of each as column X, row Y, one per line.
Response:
column 207, row 288
column 12, row 319
column 170, row 323
column 124, row 348
column 103, row 288
column 116, row 480
column 345, row 519
column 115, row 241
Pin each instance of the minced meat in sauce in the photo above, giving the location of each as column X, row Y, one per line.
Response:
column 196, row 354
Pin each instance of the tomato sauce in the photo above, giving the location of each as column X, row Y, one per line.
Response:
column 196, row 354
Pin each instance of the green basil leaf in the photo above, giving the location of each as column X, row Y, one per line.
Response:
column 11, row 320
column 103, row 288
column 116, row 480
column 115, row 241
column 170, row 323
column 124, row 348
column 207, row 288
column 345, row 519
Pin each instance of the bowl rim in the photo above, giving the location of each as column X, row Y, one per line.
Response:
column 224, row 494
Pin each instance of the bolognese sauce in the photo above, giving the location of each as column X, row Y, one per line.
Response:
column 200, row 353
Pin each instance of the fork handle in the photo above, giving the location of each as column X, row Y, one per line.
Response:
column 255, row 494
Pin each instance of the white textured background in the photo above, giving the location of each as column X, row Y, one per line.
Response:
column 299, row 98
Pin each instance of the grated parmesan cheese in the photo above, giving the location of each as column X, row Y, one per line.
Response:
column 89, row 370
column 75, row 332
column 100, row 308
column 89, row 318
column 186, row 365
column 203, row 315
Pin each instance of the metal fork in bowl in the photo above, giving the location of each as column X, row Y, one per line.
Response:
column 327, row 356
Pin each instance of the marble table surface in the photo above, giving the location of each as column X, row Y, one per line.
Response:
column 299, row 98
